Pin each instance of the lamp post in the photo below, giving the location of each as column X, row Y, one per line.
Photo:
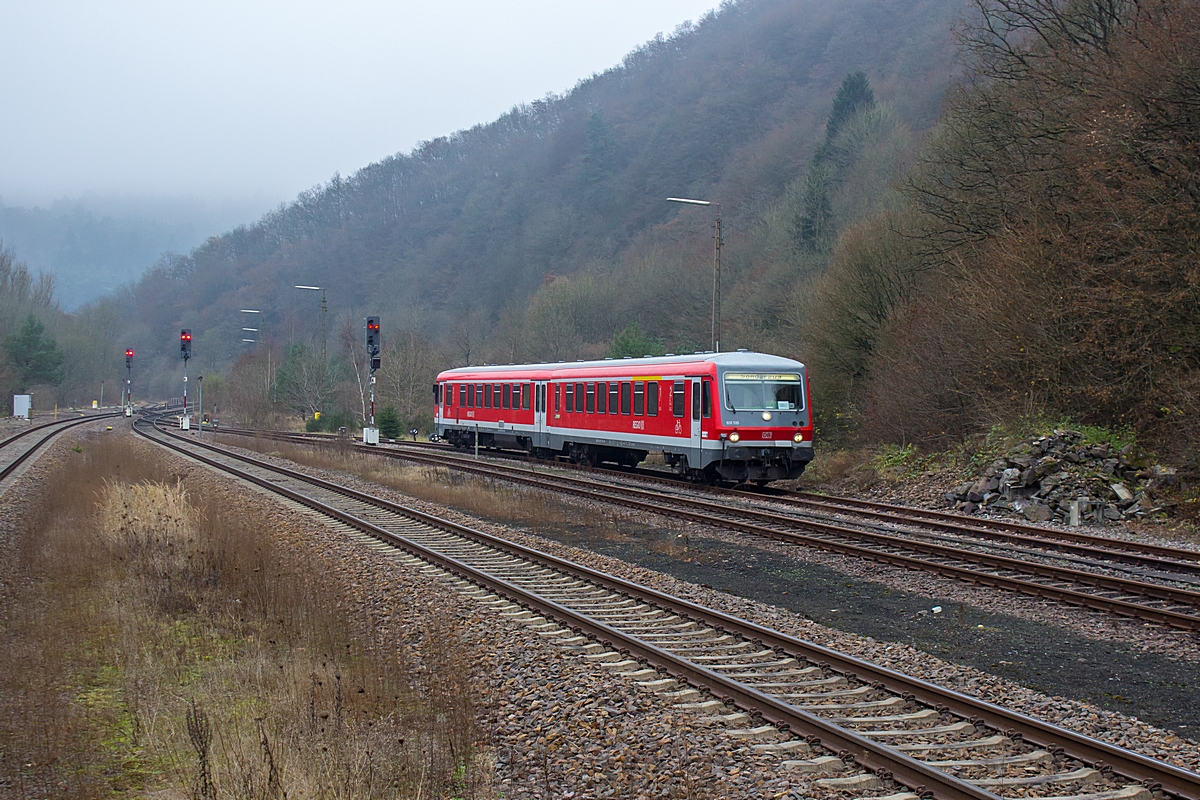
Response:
column 323, row 309
column 255, row 340
column 321, row 385
column 716, row 306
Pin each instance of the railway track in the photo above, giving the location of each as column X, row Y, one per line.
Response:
column 15, row 450
column 1140, row 554
column 1092, row 576
column 860, row 726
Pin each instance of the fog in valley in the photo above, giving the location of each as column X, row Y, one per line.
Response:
column 136, row 128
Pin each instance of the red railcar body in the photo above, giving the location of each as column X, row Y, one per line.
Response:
column 735, row 416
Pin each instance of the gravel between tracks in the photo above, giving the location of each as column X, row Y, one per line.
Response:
column 1086, row 718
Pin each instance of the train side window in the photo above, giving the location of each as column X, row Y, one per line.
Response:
column 678, row 407
column 591, row 398
column 695, row 405
column 639, row 398
column 652, row 398
column 579, row 398
column 479, row 395
column 556, row 398
column 487, row 396
column 601, row 398
column 706, row 399
column 507, row 395
column 614, row 390
column 525, row 395
column 496, row 396
column 569, row 397
column 625, row 397
column 471, row 396
column 462, row 394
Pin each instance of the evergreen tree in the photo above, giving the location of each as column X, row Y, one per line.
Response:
column 34, row 358
column 854, row 95
column 388, row 420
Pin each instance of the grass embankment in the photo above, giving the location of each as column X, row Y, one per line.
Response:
column 156, row 641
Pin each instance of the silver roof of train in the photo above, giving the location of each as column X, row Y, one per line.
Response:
column 737, row 359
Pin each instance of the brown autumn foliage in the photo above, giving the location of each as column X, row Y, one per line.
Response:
column 1059, row 200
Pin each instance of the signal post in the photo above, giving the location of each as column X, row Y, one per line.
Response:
column 185, row 350
column 128, row 404
column 371, row 433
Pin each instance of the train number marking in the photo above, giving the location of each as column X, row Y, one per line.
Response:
column 639, row 424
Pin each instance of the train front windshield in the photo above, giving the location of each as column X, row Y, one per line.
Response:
column 763, row 392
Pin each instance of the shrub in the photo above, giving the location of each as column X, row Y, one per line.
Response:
column 388, row 420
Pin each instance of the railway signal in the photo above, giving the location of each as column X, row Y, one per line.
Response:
column 373, row 336
column 371, row 433
column 128, row 381
column 185, row 350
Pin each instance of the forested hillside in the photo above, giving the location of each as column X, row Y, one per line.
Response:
column 1044, row 260
column 546, row 232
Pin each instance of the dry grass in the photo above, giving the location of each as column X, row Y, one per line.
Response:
column 481, row 497
column 541, row 512
column 155, row 642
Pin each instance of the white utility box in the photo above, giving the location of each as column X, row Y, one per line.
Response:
column 370, row 435
column 23, row 406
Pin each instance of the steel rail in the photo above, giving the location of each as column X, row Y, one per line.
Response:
column 982, row 525
column 61, row 426
column 651, row 502
column 1100, row 755
column 1106, row 548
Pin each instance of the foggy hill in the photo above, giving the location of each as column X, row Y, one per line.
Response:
column 95, row 244
column 475, row 223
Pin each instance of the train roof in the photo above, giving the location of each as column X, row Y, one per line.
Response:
column 740, row 358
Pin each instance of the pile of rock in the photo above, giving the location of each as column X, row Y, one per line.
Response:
column 1058, row 477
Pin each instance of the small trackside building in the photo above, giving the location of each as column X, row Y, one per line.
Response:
column 714, row 416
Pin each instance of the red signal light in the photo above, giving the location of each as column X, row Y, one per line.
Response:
column 129, row 354
column 187, row 337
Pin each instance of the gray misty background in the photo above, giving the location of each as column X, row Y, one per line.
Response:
column 136, row 128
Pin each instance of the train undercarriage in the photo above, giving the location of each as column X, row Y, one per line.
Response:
column 748, row 467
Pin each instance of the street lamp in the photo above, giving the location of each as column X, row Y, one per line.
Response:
column 258, row 336
column 716, row 307
column 323, row 309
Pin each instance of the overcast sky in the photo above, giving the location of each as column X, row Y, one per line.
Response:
column 261, row 100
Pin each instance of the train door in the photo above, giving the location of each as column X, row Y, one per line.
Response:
column 695, row 415
column 539, row 414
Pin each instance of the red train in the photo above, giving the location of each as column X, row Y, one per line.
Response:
column 714, row 416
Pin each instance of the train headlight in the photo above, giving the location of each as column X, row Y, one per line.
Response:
column 733, row 437
column 799, row 437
